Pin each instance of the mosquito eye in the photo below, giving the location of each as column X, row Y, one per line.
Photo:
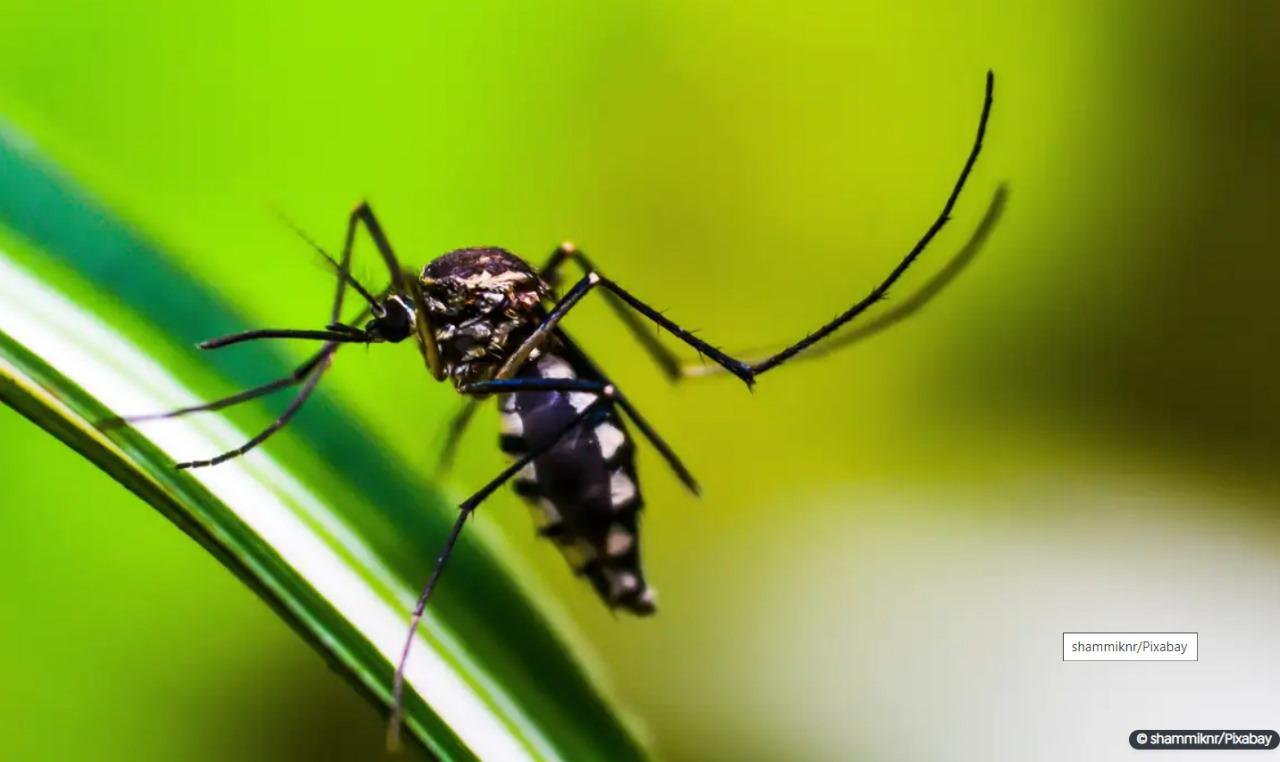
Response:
column 396, row 322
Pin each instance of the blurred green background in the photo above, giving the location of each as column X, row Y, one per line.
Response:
column 1081, row 434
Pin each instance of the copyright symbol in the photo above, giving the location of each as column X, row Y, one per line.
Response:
column 1141, row 739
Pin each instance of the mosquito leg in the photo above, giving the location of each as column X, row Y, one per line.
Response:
column 744, row 371
column 935, row 285
column 604, row 385
column 537, row 384
column 465, row 510
column 574, row 295
column 669, row 455
column 667, row 360
column 550, row 270
column 311, row 370
column 363, row 215
column 335, row 330
column 673, row 460
column 734, row 366
column 335, row 334
column 457, row 426
column 307, row 388
column 881, row 290
column 292, row 379
column 901, row 310
column 308, row 373
column 547, row 327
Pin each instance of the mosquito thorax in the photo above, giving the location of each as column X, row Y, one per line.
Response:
column 480, row 303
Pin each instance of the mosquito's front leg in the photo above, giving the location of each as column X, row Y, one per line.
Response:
column 309, row 386
column 900, row 310
column 410, row 286
column 307, row 374
column 293, row 379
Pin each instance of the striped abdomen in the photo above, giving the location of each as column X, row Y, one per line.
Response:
column 583, row 491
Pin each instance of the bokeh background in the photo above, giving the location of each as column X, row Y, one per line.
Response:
column 1081, row 434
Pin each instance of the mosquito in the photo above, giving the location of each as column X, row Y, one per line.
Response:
column 489, row 322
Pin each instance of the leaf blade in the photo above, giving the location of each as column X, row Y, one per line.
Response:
column 509, row 676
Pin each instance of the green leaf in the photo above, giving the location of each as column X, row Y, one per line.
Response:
column 95, row 320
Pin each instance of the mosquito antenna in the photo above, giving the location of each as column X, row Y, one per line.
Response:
column 342, row 272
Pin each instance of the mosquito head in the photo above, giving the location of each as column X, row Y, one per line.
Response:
column 393, row 322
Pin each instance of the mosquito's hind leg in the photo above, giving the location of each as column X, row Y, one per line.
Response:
column 667, row 360
column 465, row 509
column 900, row 310
column 748, row 371
column 655, row 439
